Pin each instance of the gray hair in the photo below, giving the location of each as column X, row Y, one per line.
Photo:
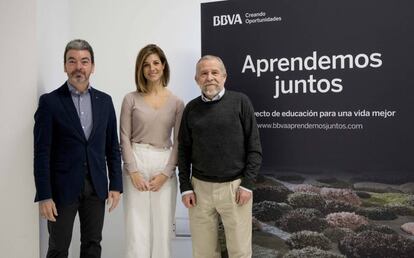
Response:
column 211, row 57
column 79, row 44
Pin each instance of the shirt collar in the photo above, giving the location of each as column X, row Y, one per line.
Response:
column 217, row 97
column 73, row 90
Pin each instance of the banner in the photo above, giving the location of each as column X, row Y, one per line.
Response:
column 331, row 84
column 331, row 81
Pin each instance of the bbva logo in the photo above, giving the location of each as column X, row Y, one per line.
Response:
column 228, row 19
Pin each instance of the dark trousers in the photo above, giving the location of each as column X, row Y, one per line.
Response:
column 91, row 216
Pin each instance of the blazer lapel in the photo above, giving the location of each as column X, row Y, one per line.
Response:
column 68, row 105
column 96, row 105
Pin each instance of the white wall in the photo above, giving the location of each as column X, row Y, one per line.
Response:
column 19, row 234
column 117, row 30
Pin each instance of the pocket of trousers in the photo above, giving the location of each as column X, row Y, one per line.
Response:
column 234, row 186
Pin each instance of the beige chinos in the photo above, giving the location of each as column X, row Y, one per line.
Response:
column 219, row 199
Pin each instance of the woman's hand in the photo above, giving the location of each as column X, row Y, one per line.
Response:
column 157, row 181
column 139, row 182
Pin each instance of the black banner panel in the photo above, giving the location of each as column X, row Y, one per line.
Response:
column 331, row 81
column 332, row 86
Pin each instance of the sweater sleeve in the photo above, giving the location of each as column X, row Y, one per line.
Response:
column 126, row 135
column 252, row 144
column 172, row 162
column 184, row 152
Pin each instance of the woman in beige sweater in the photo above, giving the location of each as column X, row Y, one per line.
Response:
column 149, row 116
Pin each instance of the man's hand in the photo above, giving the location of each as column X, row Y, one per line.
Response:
column 243, row 196
column 189, row 200
column 113, row 199
column 47, row 210
column 157, row 182
column 139, row 182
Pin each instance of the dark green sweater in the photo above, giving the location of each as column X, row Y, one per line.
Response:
column 219, row 141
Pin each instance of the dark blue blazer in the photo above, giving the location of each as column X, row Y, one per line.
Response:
column 62, row 153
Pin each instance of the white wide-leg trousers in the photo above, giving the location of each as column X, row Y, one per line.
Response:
column 149, row 215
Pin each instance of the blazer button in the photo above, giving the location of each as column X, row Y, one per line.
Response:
column 85, row 164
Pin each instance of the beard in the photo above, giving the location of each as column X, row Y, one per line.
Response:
column 211, row 90
column 79, row 76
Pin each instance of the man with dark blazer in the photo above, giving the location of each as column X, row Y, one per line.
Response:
column 76, row 156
